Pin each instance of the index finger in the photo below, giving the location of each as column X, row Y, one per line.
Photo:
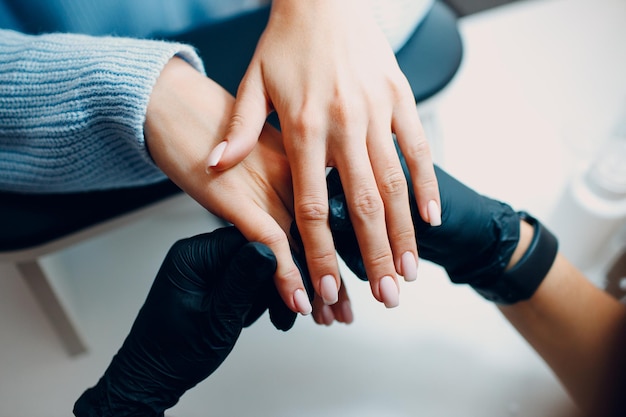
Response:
column 258, row 226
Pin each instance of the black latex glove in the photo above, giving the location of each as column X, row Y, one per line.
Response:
column 474, row 243
column 208, row 288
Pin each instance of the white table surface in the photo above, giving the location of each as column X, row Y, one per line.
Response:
column 541, row 81
column 529, row 69
column 542, row 88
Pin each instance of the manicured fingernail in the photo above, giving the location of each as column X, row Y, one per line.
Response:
column 389, row 292
column 409, row 266
column 328, row 290
column 346, row 312
column 434, row 213
column 302, row 302
column 216, row 154
column 327, row 315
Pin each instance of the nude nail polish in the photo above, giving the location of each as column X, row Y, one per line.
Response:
column 328, row 290
column 216, row 154
column 389, row 292
column 434, row 213
column 409, row 266
column 302, row 303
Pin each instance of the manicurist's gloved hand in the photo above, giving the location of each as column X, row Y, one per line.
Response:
column 208, row 288
column 474, row 243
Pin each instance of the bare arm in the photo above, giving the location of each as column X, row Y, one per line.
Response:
column 580, row 331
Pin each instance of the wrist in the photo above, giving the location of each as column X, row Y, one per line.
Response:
column 525, row 273
column 526, row 232
column 316, row 12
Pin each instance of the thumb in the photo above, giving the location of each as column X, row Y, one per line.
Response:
column 246, row 122
column 250, row 270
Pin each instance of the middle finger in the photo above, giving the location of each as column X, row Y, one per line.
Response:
column 367, row 213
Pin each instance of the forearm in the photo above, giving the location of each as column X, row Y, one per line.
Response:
column 73, row 109
column 578, row 329
column 580, row 332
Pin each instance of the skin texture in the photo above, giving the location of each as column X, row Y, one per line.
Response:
column 580, row 332
column 187, row 115
column 329, row 73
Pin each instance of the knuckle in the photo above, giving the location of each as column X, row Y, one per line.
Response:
column 341, row 112
column 429, row 183
column 396, row 88
column 367, row 203
column 426, row 181
column 311, row 210
column 379, row 260
column 272, row 237
column 345, row 111
column 393, row 184
column 417, row 150
column 288, row 277
column 404, row 236
column 237, row 120
column 321, row 257
column 398, row 85
column 306, row 123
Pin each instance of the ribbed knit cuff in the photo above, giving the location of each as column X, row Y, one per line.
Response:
column 72, row 110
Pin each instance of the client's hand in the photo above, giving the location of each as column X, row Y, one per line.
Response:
column 474, row 244
column 208, row 288
column 187, row 115
column 329, row 72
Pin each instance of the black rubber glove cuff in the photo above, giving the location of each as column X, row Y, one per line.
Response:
column 520, row 282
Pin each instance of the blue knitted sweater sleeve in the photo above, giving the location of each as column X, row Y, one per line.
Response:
column 72, row 109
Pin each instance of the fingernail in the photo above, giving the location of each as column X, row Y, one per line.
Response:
column 389, row 292
column 302, row 302
column 409, row 266
column 328, row 290
column 327, row 315
column 434, row 213
column 216, row 154
column 346, row 312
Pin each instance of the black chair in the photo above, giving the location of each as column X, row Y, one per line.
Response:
column 33, row 226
